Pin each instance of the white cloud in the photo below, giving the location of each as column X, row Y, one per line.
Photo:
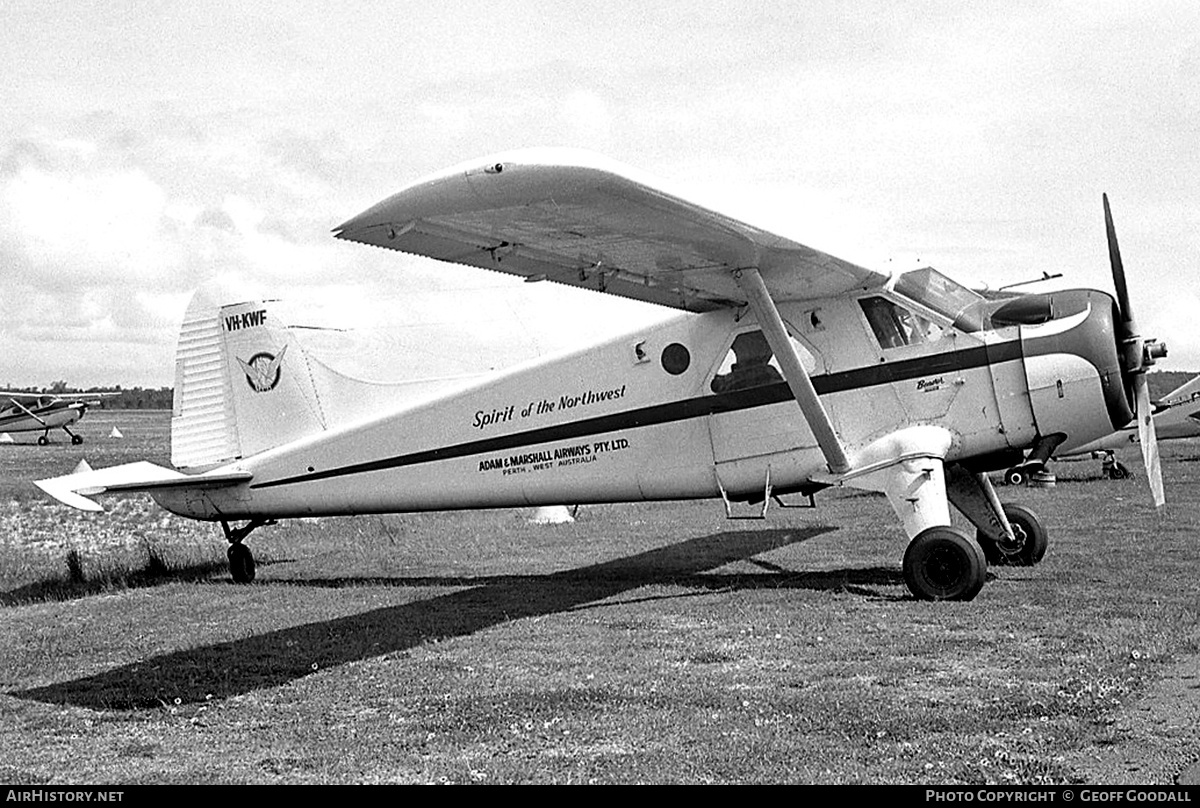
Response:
column 585, row 116
column 977, row 137
column 80, row 221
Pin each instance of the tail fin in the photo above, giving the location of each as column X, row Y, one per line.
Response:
column 244, row 383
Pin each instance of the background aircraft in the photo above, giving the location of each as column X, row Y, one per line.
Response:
column 41, row 412
column 1176, row 415
column 788, row 371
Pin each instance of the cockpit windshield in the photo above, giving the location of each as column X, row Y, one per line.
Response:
column 931, row 288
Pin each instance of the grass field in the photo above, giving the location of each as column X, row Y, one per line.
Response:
column 639, row 644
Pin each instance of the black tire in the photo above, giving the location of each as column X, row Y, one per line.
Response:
column 1031, row 539
column 43, row 440
column 1118, row 471
column 944, row 563
column 77, row 439
column 241, row 563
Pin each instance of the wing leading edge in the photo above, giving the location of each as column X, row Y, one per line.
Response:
column 576, row 218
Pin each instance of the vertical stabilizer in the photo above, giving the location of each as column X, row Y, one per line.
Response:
column 242, row 384
column 245, row 384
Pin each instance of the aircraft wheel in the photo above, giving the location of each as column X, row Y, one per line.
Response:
column 1031, row 539
column 43, row 440
column 944, row 563
column 241, row 563
column 1118, row 471
column 77, row 439
column 1017, row 476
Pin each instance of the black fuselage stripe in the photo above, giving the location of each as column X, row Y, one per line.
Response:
column 673, row 411
column 18, row 417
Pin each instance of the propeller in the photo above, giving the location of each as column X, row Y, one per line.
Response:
column 1137, row 355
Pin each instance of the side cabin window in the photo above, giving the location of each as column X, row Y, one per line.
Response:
column 749, row 362
column 895, row 326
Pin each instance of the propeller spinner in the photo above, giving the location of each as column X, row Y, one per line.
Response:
column 1137, row 354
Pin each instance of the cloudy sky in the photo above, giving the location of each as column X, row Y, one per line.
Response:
column 148, row 148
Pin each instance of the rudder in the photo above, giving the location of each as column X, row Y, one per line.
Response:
column 242, row 384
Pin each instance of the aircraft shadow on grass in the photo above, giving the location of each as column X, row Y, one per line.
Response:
column 269, row 660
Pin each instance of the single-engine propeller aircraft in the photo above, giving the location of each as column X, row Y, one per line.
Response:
column 790, row 371
column 1176, row 415
column 41, row 412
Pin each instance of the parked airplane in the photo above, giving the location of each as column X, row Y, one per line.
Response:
column 41, row 412
column 1176, row 415
column 790, row 371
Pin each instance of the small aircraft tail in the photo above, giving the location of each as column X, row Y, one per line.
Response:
column 244, row 383
column 241, row 384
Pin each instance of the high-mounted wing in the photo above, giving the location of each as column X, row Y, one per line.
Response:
column 577, row 218
column 26, row 396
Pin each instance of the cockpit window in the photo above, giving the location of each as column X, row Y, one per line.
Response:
column 896, row 326
column 931, row 288
column 751, row 363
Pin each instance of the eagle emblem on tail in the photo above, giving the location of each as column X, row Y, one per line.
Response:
column 263, row 370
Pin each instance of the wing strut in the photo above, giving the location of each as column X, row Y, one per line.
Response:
column 28, row 411
column 801, row 385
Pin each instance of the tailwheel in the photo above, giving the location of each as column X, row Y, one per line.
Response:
column 944, row 563
column 1029, row 539
column 241, row 560
column 241, row 563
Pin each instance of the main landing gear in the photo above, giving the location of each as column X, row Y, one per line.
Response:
column 1112, row 468
column 1019, row 475
column 1039, row 455
column 241, row 560
column 945, row 563
column 1024, row 548
column 44, row 439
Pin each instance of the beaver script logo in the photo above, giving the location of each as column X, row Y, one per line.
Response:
column 263, row 370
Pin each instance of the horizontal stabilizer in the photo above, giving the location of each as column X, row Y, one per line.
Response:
column 75, row 489
column 1182, row 395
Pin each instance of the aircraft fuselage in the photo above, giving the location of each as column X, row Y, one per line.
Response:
column 658, row 414
column 53, row 415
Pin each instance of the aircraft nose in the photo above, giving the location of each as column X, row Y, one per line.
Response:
column 1085, row 326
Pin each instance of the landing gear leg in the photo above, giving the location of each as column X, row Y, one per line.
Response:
column 75, row 439
column 1009, row 534
column 941, row 562
column 1028, row 543
column 241, row 560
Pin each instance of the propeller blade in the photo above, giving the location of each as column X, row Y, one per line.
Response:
column 1118, row 268
column 1149, row 440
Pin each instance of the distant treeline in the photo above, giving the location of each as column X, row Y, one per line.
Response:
column 1162, row 382
column 137, row 398
column 131, row 398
